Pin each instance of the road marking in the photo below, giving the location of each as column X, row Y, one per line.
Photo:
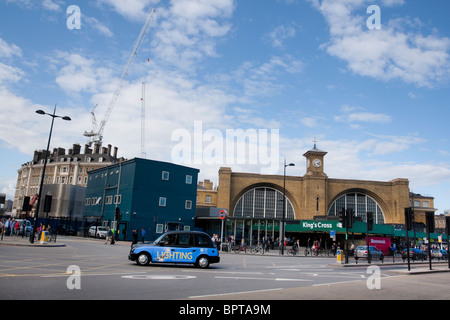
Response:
column 252, row 278
column 232, row 293
column 159, row 277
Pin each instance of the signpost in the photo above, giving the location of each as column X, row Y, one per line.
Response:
column 222, row 216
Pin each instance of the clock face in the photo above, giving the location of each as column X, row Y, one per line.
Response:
column 317, row 163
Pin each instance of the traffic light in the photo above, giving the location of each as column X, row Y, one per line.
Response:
column 26, row 204
column 430, row 221
column 342, row 217
column 409, row 218
column 350, row 218
column 47, row 203
column 118, row 214
column 447, row 224
column 369, row 221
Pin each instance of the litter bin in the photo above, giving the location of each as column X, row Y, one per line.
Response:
column 340, row 257
column 44, row 237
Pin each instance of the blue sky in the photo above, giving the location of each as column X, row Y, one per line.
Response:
column 375, row 99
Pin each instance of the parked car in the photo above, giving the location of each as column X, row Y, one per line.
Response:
column 361, row 253
column 189, row 247
column 101, row 232
column 439, row 254
column 414, row 254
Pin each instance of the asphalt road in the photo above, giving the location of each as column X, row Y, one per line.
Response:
column 28, row 273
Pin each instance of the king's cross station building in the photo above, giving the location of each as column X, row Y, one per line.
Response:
column 254, row 205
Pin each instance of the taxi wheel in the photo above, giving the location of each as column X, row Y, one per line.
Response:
column 203, row 262
column 143, row 259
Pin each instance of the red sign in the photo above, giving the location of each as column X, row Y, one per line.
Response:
column 222, row 214
column 382, row 244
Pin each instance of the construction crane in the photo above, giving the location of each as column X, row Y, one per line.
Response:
column 94, row 135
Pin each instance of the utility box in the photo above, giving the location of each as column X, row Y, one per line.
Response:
column 44, row 237
column 340, row 257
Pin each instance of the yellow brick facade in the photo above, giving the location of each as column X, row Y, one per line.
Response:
column 313, row 193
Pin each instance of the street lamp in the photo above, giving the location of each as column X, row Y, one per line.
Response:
column 36, row 215
column 284, row 204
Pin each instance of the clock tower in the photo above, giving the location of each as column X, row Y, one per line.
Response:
column 314, row 161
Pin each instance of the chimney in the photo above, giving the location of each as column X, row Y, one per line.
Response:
column 96, row 148
column 115, row 152
column 109, row 149
column 76, row 149
column 87, row 150
column 104, row 150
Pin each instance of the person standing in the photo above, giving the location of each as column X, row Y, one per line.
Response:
column 143, row 234
column 134, row 234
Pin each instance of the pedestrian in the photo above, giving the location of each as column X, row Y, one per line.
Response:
column 108, row 235
column 8, row 227
column 143, row 234
column 134, row 234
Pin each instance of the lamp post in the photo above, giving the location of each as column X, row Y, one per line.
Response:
column 36, row 215
column 284, row 205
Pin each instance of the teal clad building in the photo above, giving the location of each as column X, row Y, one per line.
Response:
column 142, row 194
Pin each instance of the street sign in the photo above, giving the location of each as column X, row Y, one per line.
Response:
column 222, row 214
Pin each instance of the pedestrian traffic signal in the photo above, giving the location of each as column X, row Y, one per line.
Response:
column 430, row 221
column 447, row 224
column 409, row 218
column 26, row 204
column 118, row 215
column 350, row 216
column 342, row 217
column 369, row 221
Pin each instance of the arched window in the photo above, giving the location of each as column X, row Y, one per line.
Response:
column 361, row 204
column 263, row 202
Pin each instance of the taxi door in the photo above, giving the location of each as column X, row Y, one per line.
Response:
column 175, row 248
column 186, row 248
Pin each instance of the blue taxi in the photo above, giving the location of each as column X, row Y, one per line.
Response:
column 191, row 247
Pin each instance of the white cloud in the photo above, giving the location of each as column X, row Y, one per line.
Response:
column 263, row 79
column 281, row 33
column 53, row 5
column 364, row 117
column 189, row 30
column 132, row 9
column 9, row 50
column 97, row 25
column 9, row 74
column 386, row 54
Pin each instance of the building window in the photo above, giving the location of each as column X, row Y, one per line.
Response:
column 162, row 201
column 108, row 200
column 165, row 175
column 188, row 205
column 188, row 179
column 117, row 199
column 208, row 199
column 263, row 203
column 361, row 204
column 425, row 204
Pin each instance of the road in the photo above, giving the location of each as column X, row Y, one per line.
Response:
column 28, row 273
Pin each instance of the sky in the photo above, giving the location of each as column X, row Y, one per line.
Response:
column 366, row 80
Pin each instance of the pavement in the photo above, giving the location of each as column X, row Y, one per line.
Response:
column 25, row 241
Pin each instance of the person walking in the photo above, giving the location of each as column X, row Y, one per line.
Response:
column 109, row 235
